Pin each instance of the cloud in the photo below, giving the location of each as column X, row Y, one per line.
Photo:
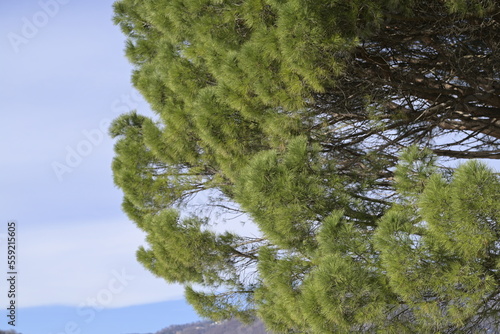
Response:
column 81, row 263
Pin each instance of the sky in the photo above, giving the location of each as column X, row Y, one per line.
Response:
column 63, row 78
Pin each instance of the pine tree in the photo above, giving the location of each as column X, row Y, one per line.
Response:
column 296, row 113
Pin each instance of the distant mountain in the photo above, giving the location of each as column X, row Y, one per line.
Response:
column 209, row 327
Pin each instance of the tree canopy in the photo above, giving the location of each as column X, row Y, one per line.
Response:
column 329, row 125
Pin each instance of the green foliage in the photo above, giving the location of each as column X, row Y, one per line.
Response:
column 170, row 236
column 294, row 113
column 414, row 168
column 465, row 7
column 441, row 254
column 285, row 192
column 344, row 292
column 220, row 306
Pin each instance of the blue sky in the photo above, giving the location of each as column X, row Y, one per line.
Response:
column 63, row 78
